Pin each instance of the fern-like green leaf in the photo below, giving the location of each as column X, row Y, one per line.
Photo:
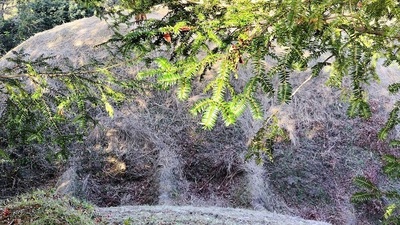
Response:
column 164, row 64
column 184, row 89
column 250, row 87
column 108, row 107
column 168, row 79
column 394, row 195
column 227, row 115
column 359, row 107
column 266, row 85
column 316, row 70
column 238, row 105
column 147, row 74
column 389, row 210
column 213, row 37
column 210, row 116
column 200, row 106
column 255, row 108
column 394, row 143
column 219, row 89
column 360, row 197
column 390, row 159
column 394, row 88
column 284, row 92
column 392, row 167
column 391, row 122
column 365, row 183
column 220, row 84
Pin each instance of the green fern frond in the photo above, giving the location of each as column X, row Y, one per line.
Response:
column 360, row 197
column 210, row 116
column 391, row 122
column 359, row 107
column 394, row 143
column 219, row 89
column 266, row 84
column 164, row 64
column 238, row 105
column 251, row 87
column 391, row 159
column 365, row 183
column 227, row 115
column 261, row 76
column 392, row 166
column 190, row 69
column 220, row 84
column 264, row 140
column 233, row 109
column 394, row 195
column 316, row 70
column 148, row 73
column 293, row 11
column 107, row 73
column 108, row 107
column 284, row 92
column 168, row 79
column 214, row 37
column 178, row 26
column 200, row 106
column 389, row 210
column 184, row 89
column 255, row 108
column 4, row 155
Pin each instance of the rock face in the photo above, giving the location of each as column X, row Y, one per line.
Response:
column 154, row 153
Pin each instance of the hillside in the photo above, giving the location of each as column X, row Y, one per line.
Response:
column 153, row 152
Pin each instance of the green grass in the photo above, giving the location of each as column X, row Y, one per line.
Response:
column 44, row 207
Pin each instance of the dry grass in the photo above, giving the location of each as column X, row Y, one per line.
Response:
column 314, row 173
column 167, row 215
column 43, row 207
column 163, row 151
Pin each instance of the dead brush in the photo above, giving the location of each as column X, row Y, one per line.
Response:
column 127, row 159
column 314, row 173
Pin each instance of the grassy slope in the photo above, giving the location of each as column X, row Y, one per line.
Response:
column 43, row 207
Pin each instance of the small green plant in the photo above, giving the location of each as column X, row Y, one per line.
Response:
column 44, row 207
column 128, row 221
column 370, row 191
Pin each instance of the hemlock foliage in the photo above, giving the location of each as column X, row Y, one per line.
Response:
column 49, row 107
column 208, row 42
column 199, row 38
